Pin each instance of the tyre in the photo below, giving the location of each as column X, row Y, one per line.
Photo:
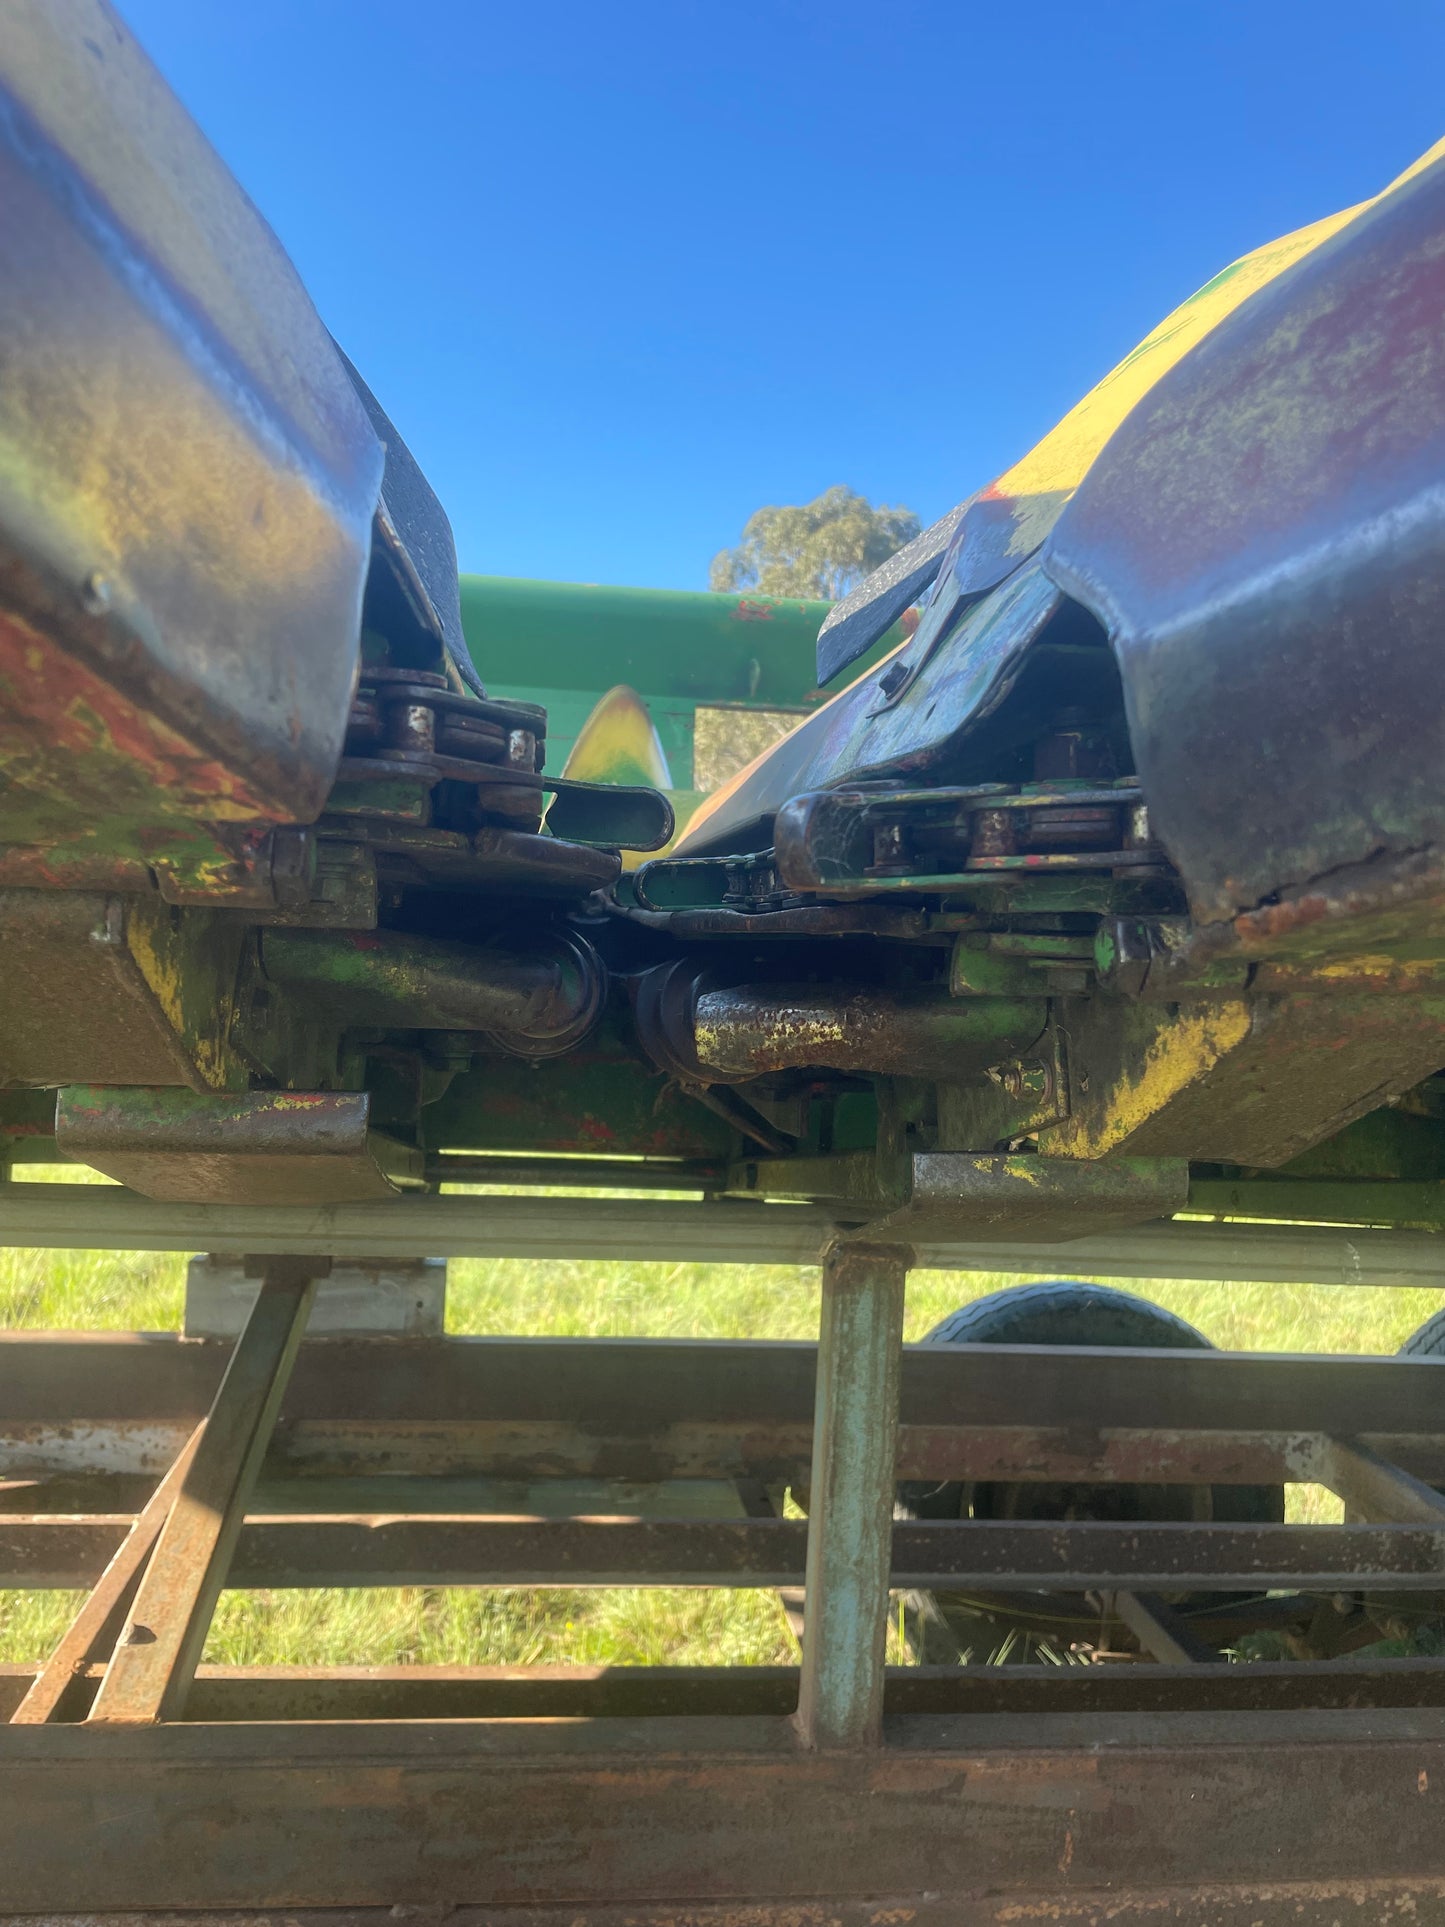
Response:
column 1411, row 1625
column 1017, row 1626
column 1428, row 1341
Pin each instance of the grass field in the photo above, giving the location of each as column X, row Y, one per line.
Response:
column 106, row 1291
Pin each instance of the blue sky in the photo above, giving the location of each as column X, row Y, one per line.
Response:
column 621, row 273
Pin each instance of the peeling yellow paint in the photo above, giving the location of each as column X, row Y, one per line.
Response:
column 170, row 969
column 158, row 966
column 1054, row 467
column 1038, row 486
column 1184, row 1049
column 1382, row 969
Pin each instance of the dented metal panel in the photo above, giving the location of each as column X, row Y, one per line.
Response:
column 990, row 533
column 187, row 477
column 1264, row 538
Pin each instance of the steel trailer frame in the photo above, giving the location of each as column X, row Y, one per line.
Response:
column 156, row 1469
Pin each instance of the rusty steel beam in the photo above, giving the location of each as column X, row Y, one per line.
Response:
column 93, row 1632
column 160, row 1644
column 83, row 1378
column 640, row 1692
column 845, row 1597
column 117, row 1404
column 59, row 1471
column 757, row 1503
column 1162, row 1632
column 55, row 1551
column 118, row 1453
column 548, row 1813
column 111, row 1218
column 1373, row 1488
column 1342, row 1902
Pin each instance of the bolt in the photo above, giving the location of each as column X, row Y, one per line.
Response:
column 890, row 850
column 410, row 727
column 95, row 594
column 993, row 833
column 1136, row 827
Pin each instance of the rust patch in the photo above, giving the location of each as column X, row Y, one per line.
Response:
column 54, row 703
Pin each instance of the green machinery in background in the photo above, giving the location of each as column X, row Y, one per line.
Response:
column 681, row 651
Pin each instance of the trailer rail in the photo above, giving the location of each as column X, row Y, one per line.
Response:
column 152, row 1470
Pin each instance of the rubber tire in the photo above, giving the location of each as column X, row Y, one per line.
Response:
column 1428, row 1341
column 1063, row 1312
column 1067, row 1312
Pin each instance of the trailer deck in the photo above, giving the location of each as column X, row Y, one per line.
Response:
column 1179, row 1785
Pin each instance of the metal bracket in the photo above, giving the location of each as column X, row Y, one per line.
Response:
column 253, row 1148
column 1024, row 1196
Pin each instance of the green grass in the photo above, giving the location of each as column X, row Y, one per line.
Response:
column 79, row 1290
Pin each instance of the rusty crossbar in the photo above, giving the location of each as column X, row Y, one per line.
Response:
column 111, row 1407
column 96, row 1466
column 54, row 1550
column 414, row 1692
column 1344, row 1902
column 596, row 1383
column 592, row 1813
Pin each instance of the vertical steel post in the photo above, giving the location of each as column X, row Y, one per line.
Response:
column 850, row 1508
